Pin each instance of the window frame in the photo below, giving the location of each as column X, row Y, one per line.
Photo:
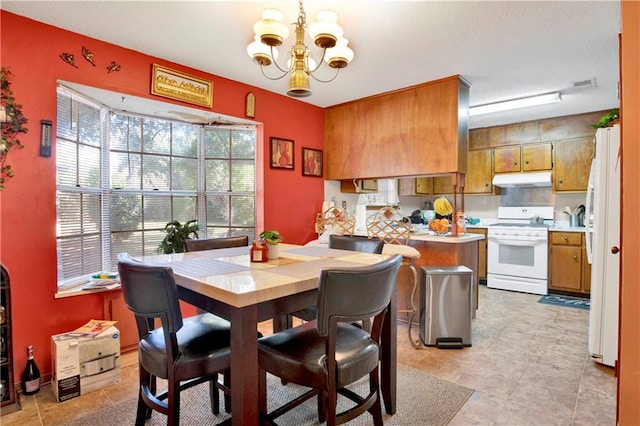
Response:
column 108, row 193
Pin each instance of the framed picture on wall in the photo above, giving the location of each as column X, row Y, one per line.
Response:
column 281, row 153
column 311, row 162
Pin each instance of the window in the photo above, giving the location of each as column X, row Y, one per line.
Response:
column 121, row 178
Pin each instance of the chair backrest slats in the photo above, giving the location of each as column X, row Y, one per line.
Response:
column 341, row 221
column 390, row 226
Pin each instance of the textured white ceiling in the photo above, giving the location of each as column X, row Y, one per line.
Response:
column 505, row 49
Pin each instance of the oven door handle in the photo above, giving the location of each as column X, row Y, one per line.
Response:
column 517, row 241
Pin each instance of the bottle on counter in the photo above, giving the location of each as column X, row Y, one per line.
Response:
column 460, row 223
column 259, row 251
column 31, row 375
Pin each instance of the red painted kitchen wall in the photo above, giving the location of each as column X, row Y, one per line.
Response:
column 31, row 50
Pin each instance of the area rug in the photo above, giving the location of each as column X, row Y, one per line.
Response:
column 571, row 302
column 422, row 400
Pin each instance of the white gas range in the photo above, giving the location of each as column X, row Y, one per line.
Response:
column 517, row 249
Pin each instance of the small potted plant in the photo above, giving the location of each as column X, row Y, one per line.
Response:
column 272, row 238
column 177, row 234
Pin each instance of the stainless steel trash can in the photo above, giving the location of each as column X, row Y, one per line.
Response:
column 446, row 306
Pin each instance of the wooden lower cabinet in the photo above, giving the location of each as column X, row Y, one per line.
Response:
column 116, row 310
column 482, row 251
column 569, row 270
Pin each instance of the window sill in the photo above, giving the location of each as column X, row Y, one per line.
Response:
column 61, row 294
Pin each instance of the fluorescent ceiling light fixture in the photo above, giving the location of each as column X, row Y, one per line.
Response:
column 547, row 98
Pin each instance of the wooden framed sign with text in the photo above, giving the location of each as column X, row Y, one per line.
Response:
column 180, row 86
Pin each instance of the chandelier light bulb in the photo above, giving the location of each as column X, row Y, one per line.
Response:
column 340, row 55
column 325, row 31
column 261, row 53
column 271, row 30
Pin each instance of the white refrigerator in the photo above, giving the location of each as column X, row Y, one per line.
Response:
column 602, row 222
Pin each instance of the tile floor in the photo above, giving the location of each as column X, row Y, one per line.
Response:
column 528, row 365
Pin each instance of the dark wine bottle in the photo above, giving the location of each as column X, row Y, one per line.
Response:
column 31, row 375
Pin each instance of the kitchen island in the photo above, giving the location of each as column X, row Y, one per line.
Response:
column 435, row 250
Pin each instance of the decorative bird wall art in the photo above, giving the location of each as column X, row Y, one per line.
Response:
column 68, row 58
column 88, row 55
column 114, row 66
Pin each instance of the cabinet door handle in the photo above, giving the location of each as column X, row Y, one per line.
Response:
column 575, row 257
column 565, row 238
column 615, row 250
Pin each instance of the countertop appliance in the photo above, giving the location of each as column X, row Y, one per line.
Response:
column 517, row 249
column 602, row 217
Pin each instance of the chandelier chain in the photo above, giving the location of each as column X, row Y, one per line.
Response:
column 302, row 16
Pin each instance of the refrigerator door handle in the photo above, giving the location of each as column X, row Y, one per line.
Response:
column 588, row 231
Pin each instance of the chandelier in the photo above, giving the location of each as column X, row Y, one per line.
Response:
column 270, row 32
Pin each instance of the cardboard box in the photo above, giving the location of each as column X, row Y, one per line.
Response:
column 84, row 364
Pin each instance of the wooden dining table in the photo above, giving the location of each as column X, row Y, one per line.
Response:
column 226, row 283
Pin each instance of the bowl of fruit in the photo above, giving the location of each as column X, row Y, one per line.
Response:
column 440, row 226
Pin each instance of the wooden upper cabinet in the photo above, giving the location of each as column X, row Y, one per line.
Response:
column 442, row 185
column 531, row 132
column 414, row 131
column 525, row 158
column 479, row 138
column 572, row 164
column 536, row 157
column 575, row 126
column 479, row 172
column 359, row 186
column 506, row 160
column 424, row 185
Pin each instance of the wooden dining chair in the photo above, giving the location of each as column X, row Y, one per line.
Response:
column 330, row 353
column 216, row 243
column 185, row 352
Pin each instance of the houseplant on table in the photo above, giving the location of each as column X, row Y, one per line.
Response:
column 272, row 238
column 177, row 234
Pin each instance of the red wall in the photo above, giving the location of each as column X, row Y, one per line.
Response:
column 32, row 51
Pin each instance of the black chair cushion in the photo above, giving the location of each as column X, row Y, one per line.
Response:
column 201, row 337
column 297, row 355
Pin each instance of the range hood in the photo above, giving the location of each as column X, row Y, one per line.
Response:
column 520, row 180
